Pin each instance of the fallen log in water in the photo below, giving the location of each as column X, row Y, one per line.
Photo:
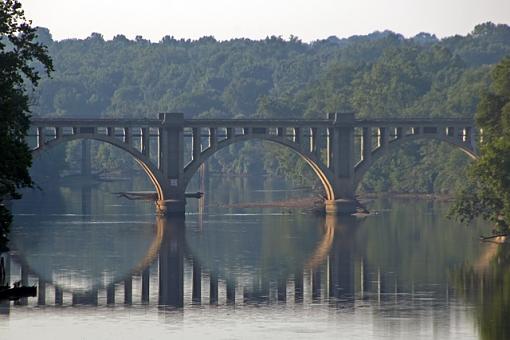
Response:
column 496, row 238
column 151, row 195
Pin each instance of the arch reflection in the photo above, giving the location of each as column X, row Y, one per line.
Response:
column 326, row 262
column 169, row 253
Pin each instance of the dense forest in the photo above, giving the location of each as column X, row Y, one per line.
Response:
column 382, row 74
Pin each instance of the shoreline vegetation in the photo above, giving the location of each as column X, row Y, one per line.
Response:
column 23, row 61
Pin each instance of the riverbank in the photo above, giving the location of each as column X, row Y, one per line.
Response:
column 421, row 196
column 302, row 203
column 314, row 202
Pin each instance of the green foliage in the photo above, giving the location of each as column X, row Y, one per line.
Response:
column 18, row 51
column 488, row 43
column 380, row 74
column 422, row 167
column 487, row 192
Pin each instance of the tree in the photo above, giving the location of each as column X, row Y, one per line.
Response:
column 18, row 52
column 487, row 193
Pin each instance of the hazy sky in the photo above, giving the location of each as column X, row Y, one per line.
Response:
column 256, row 19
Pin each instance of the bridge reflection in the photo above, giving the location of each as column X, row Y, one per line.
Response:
column 171, row 276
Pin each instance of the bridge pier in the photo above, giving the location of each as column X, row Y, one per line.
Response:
column 341, row 163
column 171, row 207
column 171, row 164
column 341, row 206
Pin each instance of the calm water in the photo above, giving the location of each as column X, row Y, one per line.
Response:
column 108, row 268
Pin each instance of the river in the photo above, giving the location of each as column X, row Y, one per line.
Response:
column 108, row 268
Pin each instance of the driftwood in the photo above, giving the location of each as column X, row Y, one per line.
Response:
column 151, row 195
column 138, row 195
column 492, row 237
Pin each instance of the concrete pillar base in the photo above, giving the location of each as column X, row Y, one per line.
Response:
column 171, row 207
column 341, row 206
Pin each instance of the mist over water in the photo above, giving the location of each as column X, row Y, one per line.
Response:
column 109, row 268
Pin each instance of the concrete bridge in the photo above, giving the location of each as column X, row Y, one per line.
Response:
column 339, row 149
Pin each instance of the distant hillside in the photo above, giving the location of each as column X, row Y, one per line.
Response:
column 380, row 74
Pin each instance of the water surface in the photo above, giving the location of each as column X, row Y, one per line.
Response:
column 107, row 268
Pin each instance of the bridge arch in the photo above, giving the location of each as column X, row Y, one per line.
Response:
column 336, row 136
column 321, row 171
column 145, row 163
column 364, row 165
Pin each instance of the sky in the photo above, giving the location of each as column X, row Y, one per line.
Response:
column 256, row 19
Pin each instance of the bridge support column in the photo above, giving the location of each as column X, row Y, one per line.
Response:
column 171, row 207
column 341, row 154
column 341, row 206
column 171, row 163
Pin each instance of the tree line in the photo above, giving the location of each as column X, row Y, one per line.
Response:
column 382, row 74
